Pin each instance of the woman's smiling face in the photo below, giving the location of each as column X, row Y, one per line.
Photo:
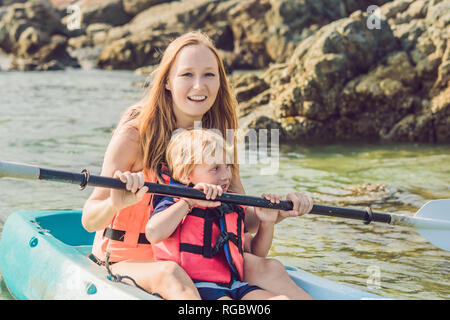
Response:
column 194, row 83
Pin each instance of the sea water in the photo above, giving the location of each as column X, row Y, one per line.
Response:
column 64, row 120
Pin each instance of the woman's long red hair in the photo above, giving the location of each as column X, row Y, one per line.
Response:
column 154, row 117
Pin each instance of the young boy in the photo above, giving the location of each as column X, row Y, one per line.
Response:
column 208, row 238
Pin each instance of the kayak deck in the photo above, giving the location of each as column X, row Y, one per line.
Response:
column 44, row 255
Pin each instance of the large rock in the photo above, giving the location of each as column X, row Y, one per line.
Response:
column 324, row 63
column 111, row 12
column 252, row 33
column 269, row 30
column 33, row 33
column 167, row 16
column 346, row 82
column 386, row 94
column 140, row 42
column 134, row 51
column 52, row 56
column 9, row 2
column 440, row 110
column 321, row 73
column 133, row 7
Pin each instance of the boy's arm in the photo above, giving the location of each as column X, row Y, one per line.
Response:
column 161, row 225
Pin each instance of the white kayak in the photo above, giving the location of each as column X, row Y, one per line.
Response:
column 45, row 255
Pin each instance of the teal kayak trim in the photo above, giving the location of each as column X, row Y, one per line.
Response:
column 44, row 255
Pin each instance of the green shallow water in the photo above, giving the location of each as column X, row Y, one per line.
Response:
column 63, row 120
column 389, row 178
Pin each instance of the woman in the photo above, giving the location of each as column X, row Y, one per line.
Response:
column 190, row 85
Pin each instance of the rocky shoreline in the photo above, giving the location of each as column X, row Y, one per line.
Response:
column 321, row 71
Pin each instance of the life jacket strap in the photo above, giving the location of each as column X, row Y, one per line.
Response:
column 192, row 248
column 221, row 240
column 119, row 235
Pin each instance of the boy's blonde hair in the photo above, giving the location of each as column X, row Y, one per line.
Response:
column 188, row 148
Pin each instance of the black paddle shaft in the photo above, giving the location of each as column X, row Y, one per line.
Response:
column 84, row 179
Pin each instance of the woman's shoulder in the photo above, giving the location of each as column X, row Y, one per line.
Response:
column 124, row 150
column 127, row 132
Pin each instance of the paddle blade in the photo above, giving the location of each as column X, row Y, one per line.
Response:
column 437, row 210
column 17, row 170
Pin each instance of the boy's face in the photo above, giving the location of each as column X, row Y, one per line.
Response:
column 218, row 174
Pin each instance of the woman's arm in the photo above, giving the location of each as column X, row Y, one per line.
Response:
column 302, row 204
column 261, row 243
column 251, row 221
column 103, row 204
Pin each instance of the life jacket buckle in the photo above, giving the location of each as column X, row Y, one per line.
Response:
column 222, row 239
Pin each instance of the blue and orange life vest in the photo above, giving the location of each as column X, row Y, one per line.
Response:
column 124, row 238
column 208, row 243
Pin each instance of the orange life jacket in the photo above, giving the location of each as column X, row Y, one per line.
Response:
column 208, row 244
column 124, row 238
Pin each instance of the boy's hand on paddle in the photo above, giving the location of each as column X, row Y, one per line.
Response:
column 211, row 191
column 266, row 214
column 302, row 204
